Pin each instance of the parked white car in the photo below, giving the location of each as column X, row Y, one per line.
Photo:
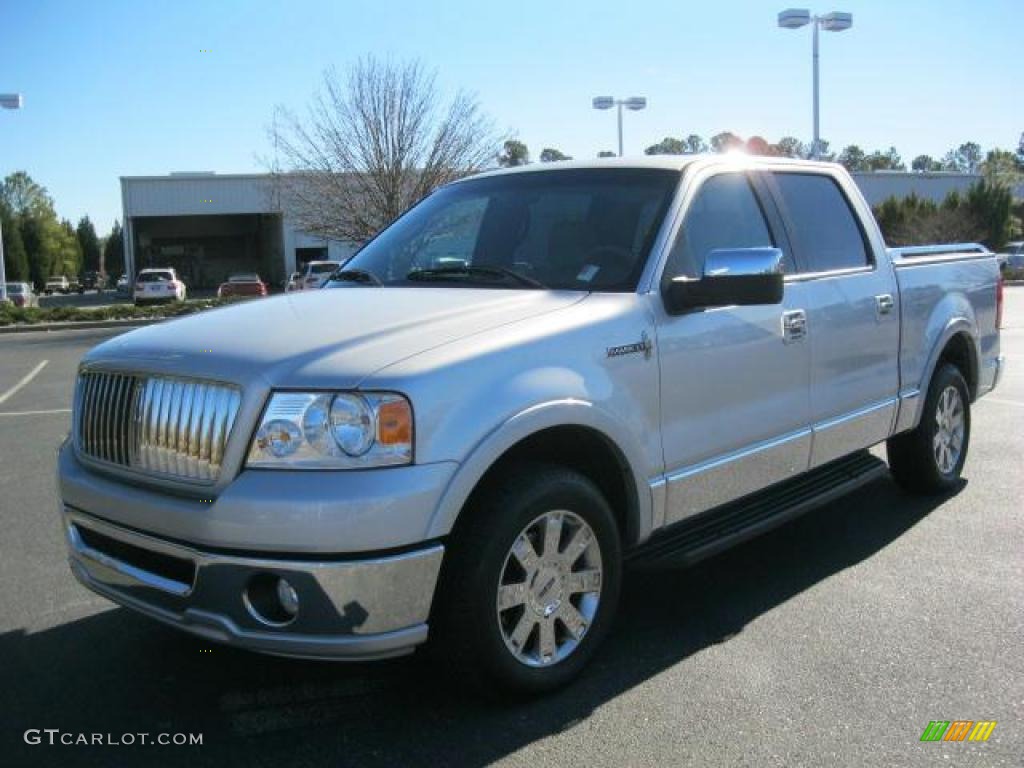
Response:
column 57, row 284
column 293, row 283
column 315, row 274
column 158, row 285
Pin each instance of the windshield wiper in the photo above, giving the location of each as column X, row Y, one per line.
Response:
column 446, row 273
column 356, row 276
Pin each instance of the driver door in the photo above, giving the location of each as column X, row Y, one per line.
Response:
column 735, row 391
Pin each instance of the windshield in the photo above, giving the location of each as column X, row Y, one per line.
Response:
column 324, row 268
column 588, row 230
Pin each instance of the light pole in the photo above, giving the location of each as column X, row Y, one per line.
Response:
column 837, row 21
column 7, row 101
column 634, row 103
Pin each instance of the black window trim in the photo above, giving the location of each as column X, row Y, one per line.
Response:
column 775, row 220
column 788, row 225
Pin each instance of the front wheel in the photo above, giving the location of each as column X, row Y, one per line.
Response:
column 930, row 458
column 532, row 582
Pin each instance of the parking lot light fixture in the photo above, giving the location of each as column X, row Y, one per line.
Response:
column 836, row 21
column 7, row 101
column 634, row 103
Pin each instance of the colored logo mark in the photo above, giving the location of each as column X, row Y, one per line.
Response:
column 958, row 730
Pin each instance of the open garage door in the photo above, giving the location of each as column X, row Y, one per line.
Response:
column 206, row 249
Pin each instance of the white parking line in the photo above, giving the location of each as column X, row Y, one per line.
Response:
column 35, row 413
column 31, row 375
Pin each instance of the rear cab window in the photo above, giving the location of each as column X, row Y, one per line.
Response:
column 155, row 277
column 825, row 230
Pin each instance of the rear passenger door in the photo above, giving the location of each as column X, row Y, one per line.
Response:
column 852, row 314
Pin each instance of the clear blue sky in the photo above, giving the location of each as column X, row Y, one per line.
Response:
column 118, row 88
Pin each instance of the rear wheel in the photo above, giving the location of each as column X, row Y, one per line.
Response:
column 532, row 580
column 930, row 458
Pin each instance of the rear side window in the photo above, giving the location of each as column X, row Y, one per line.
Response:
column 825, row 227
column 724, row 214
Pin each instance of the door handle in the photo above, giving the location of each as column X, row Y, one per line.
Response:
column 794, row 325
column 884, row 304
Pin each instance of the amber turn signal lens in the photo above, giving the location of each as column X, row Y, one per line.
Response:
column 394, row 423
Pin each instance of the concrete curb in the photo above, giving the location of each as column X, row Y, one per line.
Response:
column 81, row 325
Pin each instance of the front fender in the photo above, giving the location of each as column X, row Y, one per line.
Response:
column 556, row 413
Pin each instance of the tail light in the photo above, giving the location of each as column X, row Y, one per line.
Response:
column 999, row 302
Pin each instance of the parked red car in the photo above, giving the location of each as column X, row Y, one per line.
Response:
column 247, row 284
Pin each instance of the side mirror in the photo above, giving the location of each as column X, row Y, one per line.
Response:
column 732, row 276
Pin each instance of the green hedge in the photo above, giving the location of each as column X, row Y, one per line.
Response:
column 984, row 214
column 11, row 315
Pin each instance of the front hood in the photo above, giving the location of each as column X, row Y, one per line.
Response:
column 327, row 338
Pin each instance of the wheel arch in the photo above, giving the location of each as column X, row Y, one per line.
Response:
column 958, row 344
column 571, row 433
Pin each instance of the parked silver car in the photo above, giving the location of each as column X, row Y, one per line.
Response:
column 540, row 374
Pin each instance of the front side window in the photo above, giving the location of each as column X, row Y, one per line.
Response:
column 825, row 228
column 724, row 214
column 586, row 229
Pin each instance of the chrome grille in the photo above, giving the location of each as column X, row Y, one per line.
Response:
column 157, row 425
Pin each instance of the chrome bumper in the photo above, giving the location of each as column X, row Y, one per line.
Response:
column 350, row 609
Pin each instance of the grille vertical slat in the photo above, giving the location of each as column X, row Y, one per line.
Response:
column 94, row 415
column 103, row 404
column 85, row 412
column 117, row 403
column 155, row 425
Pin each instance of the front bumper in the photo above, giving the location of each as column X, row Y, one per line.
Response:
column 350, row 608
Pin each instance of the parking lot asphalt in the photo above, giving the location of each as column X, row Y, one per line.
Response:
column 833, row 640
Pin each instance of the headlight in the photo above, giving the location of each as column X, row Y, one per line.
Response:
column 328, row 430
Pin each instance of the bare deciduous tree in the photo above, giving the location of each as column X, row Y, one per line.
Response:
column 371, row 145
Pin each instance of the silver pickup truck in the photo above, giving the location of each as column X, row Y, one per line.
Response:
column 529, row 380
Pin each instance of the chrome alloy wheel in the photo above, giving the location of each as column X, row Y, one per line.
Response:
column 949, row 430
column 549, row 588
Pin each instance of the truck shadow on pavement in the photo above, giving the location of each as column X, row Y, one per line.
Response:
column 116, row 672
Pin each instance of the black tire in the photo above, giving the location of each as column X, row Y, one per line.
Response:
column 912, row 455
column 465, row 632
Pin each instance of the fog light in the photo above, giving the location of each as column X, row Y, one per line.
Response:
column 271, row 600
column 288, row 597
